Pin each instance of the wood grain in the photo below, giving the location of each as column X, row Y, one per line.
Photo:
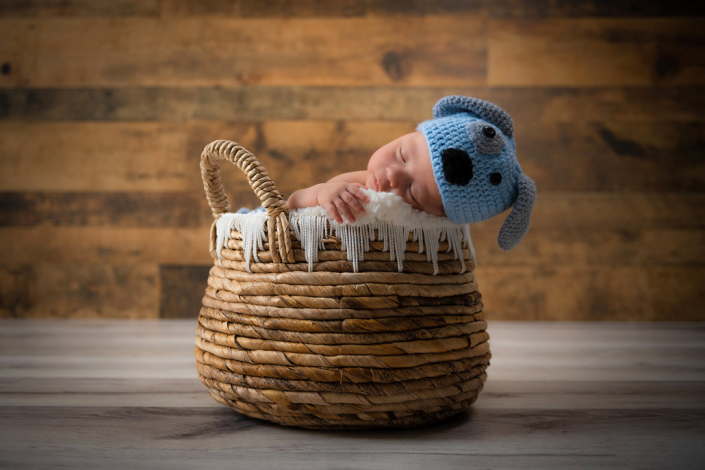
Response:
column 182, row 289
column 578, row 393
column 570, row 246
column 220, row 51
column 92, row 291
column 110, row 394
column 105, row 107
column 601, row 155
column 509, row 293
column 623, row 213
column 603, row 354
column 593, row 246
column 592, row 274
column 299, row 154
column 590, row 8
column 318, row 8
column 557, row 292
column 310, row 460
column 97, row 104
column 105, row 245
column 592, row 293
column 613, row 156
column 349, row 8
column 595, row 255
column 374, row 103
column 569, row 104
column 596, row 52
column 115, row 209
column 60, row 8
column 93, row 156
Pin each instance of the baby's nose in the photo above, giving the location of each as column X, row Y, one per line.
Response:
column 396, row 176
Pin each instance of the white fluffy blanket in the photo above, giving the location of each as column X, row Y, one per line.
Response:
column 387, row 218
column 387, row 207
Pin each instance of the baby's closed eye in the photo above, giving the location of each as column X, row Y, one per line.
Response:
column 400, row 154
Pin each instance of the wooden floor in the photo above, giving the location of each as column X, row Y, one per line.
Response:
column 120, row 394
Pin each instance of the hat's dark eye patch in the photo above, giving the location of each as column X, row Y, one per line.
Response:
column 457, row 166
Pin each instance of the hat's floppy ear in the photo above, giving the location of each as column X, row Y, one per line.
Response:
column 463, row 104
column 517, row 223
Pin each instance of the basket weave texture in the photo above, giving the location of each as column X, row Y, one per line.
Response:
column 334, row 348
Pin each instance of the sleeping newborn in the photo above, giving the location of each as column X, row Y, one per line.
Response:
column 402, row 167
column 461, row 164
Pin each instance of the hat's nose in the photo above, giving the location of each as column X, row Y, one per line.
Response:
column 457, row 166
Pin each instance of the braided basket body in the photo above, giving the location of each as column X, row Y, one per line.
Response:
column 334, row 348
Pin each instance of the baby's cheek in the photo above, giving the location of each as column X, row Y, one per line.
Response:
column 369, row 184
column 405, row 197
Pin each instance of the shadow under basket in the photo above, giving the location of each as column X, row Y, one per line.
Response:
column 334, row 348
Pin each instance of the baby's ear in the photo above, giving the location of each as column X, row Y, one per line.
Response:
column 485, row 110
column 517, row 223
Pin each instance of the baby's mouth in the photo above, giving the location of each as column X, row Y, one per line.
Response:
column 376, row 182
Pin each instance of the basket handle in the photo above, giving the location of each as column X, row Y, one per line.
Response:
column 261, row 184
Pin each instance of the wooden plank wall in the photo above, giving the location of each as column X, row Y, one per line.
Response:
column 105, row 106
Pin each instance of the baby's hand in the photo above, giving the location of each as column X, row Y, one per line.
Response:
column 340, row 199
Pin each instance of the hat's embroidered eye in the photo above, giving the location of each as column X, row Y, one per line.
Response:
column 495, row 178
column 489, row 132
column 486, row 139
column 457, row 166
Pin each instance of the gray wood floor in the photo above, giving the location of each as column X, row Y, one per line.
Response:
column 121, row 394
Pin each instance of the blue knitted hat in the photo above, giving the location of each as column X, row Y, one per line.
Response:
column 471, row 143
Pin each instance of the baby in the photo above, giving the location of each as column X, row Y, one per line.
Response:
column 461, row 164
column 402, row 167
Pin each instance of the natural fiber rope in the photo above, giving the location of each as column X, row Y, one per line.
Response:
column 282, row 415
column 344, row 374
column 348, row 325
column 333, row 348
column 395, row 348
column 338, row 278
column 448, row 331
column 324, row 402
column 341, row 412
column 261, row 184
column 419, row 267
column 344, row 290
column 400, row 361
column 226, row 311
column 393, row 388
column 353, row 303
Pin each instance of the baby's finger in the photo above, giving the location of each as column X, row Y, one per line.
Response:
column 353, row 203
column 344, row 209
column 360, row 194
column 333, row 211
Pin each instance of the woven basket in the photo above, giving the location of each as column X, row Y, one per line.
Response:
column 334, row 348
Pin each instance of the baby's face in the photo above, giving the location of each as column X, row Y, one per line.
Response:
column 403, row 167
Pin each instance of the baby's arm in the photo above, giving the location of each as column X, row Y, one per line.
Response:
column 339, row 196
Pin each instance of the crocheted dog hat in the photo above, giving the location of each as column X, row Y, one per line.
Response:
column 471, row 143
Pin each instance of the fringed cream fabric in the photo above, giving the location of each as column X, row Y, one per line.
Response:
column 387, row 219
column 250, row 225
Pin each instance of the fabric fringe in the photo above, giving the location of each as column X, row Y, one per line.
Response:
column 355, row 239
column 250, row 225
